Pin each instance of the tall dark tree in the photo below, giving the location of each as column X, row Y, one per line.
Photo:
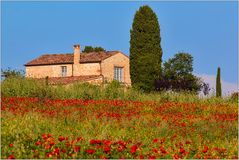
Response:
column 145, row 49
column 218, row 83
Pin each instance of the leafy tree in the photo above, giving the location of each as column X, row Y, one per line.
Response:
column 177, row 74
column 218, row 83
column 145, row 49
column 12, row 73
column 99, row 49
column 88, row 49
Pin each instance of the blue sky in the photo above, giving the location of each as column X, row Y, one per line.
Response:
column 207, row 30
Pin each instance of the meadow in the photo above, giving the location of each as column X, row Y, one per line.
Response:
column 87, row 121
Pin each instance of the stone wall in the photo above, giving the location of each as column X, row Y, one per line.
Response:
column 89, row 69
column 47, row 70
column 118, row 60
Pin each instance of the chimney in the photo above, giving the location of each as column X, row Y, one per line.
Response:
column 76, row 65
column 76, row 54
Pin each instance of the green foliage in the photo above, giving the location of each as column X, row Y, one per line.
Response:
column 218, row 83
column 88, row 49
column 12, row 73
column 114, row 90
column 26, row 87
column 99, row 49
column 177, row 74
column 145, row 49
column 180, row 66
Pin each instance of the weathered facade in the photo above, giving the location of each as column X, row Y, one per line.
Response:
column 92, row 67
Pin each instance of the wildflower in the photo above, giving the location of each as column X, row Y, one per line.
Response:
column 103, row 157
column 107, row 142
column 188, row 142
column 56, row 151
column 61, row 138
column 107, row 149
column 95, row 141
column 11, row 156
column 90, row 151
column 120, row 148
column 151, row 157
column 133, row 149
column 182, row 150
column 10, row 145
column 63, row 150
column 76, row 148
column 176, row 156
column 155, row 140
column 162, row 149
column 154, row 150
column 205, row 149
column 52, row 143
column 49, row 155
column 141, row 157
column 38, row 143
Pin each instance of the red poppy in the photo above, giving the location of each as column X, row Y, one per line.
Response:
column 103, row 157
column 152, row 157
column 120, row 148
column 155, row 140
column 107, row 149
column 133, row 149
column 182, row 150
column 56, row 151
column 61, row 138
column 141, row 157
column 76, row 148
column 95, row 141
column 154, row 150
column 52, row 143
column 11, row 157
column 107, row 142
column 90, row 151
column 188, row 142
column 162, row 149
column 205, row 149
column 38, row 143
column 10, row 145
column 176, row 156
column 63, row 150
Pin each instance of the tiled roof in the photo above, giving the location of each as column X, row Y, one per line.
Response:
column 68, row 58
column 68, row 80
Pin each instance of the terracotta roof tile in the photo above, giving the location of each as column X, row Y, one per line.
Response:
column 48, row 59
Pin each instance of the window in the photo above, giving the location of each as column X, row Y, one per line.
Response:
column 63, row 71
column 118, row 74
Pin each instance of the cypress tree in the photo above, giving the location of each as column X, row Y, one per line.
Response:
column 145, row 49
column 218, row 83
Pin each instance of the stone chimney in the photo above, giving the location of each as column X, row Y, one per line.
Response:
column 76, row 65
column 76, row 54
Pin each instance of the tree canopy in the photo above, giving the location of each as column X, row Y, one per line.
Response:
column 88, row 49
column 177, row 74
column 145, row 49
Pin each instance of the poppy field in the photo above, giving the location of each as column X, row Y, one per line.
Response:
column 122, row 129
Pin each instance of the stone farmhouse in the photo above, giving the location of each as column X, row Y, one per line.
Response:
column 93, row 67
